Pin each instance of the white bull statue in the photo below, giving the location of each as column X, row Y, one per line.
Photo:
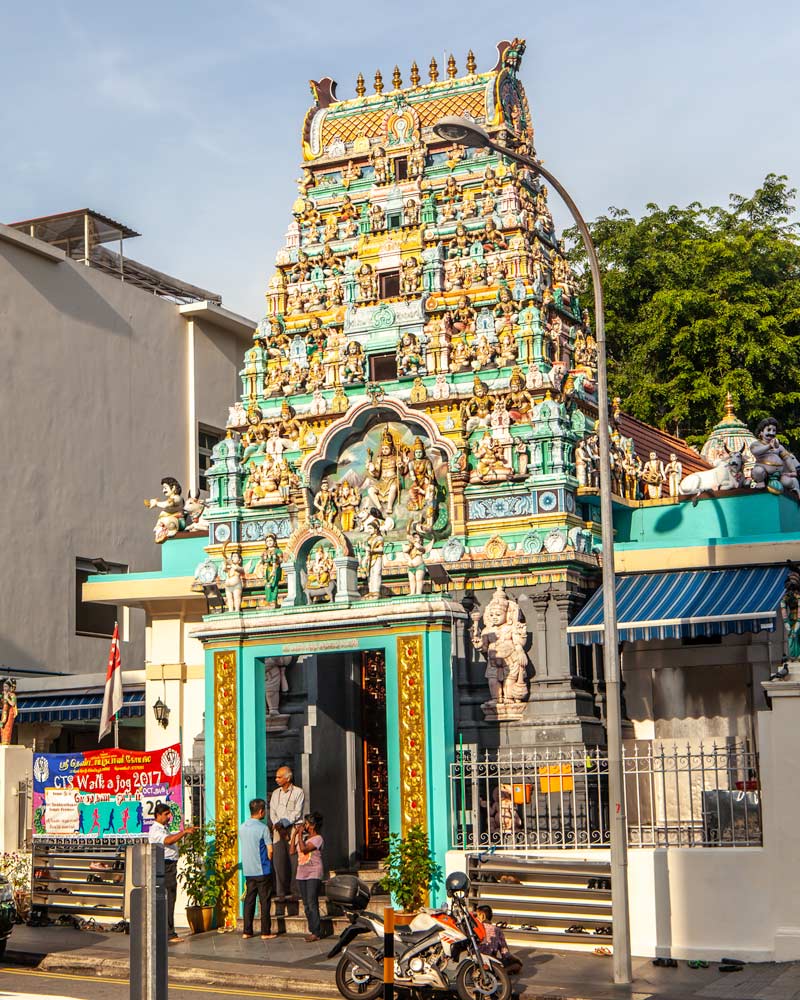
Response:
column 727, row 474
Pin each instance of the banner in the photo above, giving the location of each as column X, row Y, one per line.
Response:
column 104, row 795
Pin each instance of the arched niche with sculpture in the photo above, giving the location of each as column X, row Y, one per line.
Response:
column 319, row 567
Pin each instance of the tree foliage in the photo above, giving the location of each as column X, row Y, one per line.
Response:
column 701, row 301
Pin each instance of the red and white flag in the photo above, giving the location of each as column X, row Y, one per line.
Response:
column 112, row 699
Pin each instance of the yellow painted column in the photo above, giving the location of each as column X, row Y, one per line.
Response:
column 411, row 711
column 226, row 777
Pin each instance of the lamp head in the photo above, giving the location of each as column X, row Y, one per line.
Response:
column 161, row 713
column 454, row 128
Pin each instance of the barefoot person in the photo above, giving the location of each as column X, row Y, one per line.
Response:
column 285, row 812
column 255, row 844
column 162, row 815
column 309, row 844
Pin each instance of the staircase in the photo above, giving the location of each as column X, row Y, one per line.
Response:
column 548, row 894
column 289, row 917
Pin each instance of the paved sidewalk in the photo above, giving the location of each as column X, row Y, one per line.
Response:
column 289, row 965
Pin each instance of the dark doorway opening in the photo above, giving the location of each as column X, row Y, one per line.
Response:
column 374, row 758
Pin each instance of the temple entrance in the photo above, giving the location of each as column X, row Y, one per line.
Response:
column 375, row 763
column 348, row 763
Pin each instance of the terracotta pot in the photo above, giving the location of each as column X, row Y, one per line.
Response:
column 200, row 918
column 403, row 919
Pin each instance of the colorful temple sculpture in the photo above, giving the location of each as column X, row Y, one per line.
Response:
column 403, row 519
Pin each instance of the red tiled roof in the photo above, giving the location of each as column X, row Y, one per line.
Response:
column 647, row 439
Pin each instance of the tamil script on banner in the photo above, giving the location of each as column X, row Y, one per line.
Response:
column 104, row 795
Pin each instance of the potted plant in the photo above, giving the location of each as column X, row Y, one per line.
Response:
column 410, row 871
column 17, row 869
column 205, row 872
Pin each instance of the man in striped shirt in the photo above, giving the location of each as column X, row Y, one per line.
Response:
column 286, row 806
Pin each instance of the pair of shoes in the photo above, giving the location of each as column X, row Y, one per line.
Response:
column 603, row 929
column 576, row 929
column 509, row 880
column 311, row 937
column 528, row 927
column 602, row 951
column 268, row 937
column 698, row 964
column 665, row 963
column 731, row 967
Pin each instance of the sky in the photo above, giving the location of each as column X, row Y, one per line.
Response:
column 182, row 118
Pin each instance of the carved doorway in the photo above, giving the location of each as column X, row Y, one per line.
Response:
column 375, row 765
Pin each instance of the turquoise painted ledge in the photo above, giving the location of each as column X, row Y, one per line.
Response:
column 179, row 557
column 756, row 516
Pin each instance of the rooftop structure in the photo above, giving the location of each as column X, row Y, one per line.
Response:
column 83, row 235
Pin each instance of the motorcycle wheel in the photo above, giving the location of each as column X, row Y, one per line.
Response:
column 353, row 984
column 474, row 982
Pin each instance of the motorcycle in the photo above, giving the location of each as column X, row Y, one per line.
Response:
column 438, row 950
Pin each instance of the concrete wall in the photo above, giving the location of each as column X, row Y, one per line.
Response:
column 95, row 371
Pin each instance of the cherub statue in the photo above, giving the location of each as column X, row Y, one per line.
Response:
column 232, row 578
column 172, row 519
column 416, row 550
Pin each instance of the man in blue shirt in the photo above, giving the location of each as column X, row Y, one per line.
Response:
column 256, row 847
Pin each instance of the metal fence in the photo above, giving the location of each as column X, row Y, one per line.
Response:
column 194, row 795
column 691, row 795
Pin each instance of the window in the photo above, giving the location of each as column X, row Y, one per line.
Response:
column 91, row 618
column 207, row 437
column 390, row 284
column 401, row 168
column 383, row 367
column 394, row 220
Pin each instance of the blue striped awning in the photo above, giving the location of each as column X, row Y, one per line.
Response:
column 684, row 604
column 76, row 707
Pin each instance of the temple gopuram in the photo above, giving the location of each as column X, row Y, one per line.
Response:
column 402, row 531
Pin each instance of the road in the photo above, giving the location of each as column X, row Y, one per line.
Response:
column 25, row 984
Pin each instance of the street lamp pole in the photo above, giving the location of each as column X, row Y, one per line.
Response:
column 465, row 132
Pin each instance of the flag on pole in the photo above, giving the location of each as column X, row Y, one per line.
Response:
column 112, row 699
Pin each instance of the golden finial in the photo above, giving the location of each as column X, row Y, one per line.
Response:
column 729, row 414
column 451, row 67
column 378, row 82
column 397, row 80
column 471, row 64
column 433, row 71
column 414, row 75
column 360, row 86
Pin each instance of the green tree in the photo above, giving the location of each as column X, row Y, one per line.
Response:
column 701, row 301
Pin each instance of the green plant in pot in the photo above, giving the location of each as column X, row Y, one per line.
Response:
column 206, row 871
column 410, row 869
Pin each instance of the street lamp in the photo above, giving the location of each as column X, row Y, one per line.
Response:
column 467, row 133
column 161, row 713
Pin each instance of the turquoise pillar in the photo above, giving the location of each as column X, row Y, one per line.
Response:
column 392, row 732
column 439, row 743
column 251, row 731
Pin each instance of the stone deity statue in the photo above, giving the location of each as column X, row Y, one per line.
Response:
column 171, row 518
column 773, row 460
column 8, row 710
column 372, row 563
column 275, row 682
column 501, row 639
column 653, row 476
column 383, row 475
column 416, row 549
column 673, row 471
column 790, row 613
column 270, row 568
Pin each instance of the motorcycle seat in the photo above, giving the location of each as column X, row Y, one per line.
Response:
column 408, row 935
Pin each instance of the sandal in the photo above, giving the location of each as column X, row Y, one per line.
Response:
column 502, row 923
column 731, row 967
column 697, row 964
column 603, row 951
column 576, row 929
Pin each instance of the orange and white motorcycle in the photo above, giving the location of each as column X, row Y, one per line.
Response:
column 439, row 950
